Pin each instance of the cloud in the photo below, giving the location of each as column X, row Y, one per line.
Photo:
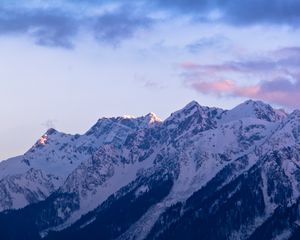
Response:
column 57, row 23
column 117, row 26
column 50, row 26
column 282, row 91
column 275, row 79
column 263, row 11
column 238, row 12
column 202, row 44
column 234, row 12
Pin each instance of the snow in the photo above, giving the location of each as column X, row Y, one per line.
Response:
column 58, row 154
column 127, row 116
column 269, row 206
column 285, row 235
column 141, row 190
column 192, row 177
column 97, row 164
column 253, row 109
column 43, row 139
column 18, row 200
column 123, row 175
column 180, row 191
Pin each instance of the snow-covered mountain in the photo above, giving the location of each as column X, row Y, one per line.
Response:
column 43, row 169
column 203, row 173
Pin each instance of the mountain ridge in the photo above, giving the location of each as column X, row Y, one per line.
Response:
column 158, row 168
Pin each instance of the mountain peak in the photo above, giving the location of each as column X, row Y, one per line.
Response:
column 294, row 115
column 251, row 101
column 125, row 122
column 194, row 118
column 297, row 112
column 152, row 118
column 188, row 109
column 51, row 131
column 255, row 109
column 192, row 104
column 254, row 103
column 194, row 157
column 127, row 116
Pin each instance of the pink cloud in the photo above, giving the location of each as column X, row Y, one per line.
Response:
column 221, row 86
column 188, row 65
column 257, row 91
column 282, row 98
column 276, row 78
column 213, row 68
column 226, row 87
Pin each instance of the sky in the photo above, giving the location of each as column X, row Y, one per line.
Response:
column 65, row 64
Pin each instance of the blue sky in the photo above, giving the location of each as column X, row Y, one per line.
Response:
column 64, row 64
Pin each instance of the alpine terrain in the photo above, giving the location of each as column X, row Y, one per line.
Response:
column 202, row 173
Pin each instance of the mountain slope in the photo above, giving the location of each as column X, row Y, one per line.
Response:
column 202, row 173
column 55, row 155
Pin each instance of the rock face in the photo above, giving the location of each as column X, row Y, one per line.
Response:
column 44, row 168
column 203, row 173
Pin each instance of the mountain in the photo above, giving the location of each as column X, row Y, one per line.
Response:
column 43, row 169
column 203, row 173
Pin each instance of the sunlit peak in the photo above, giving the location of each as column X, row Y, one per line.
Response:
column 154, row 118
column 43, row 139
column 128, row 116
